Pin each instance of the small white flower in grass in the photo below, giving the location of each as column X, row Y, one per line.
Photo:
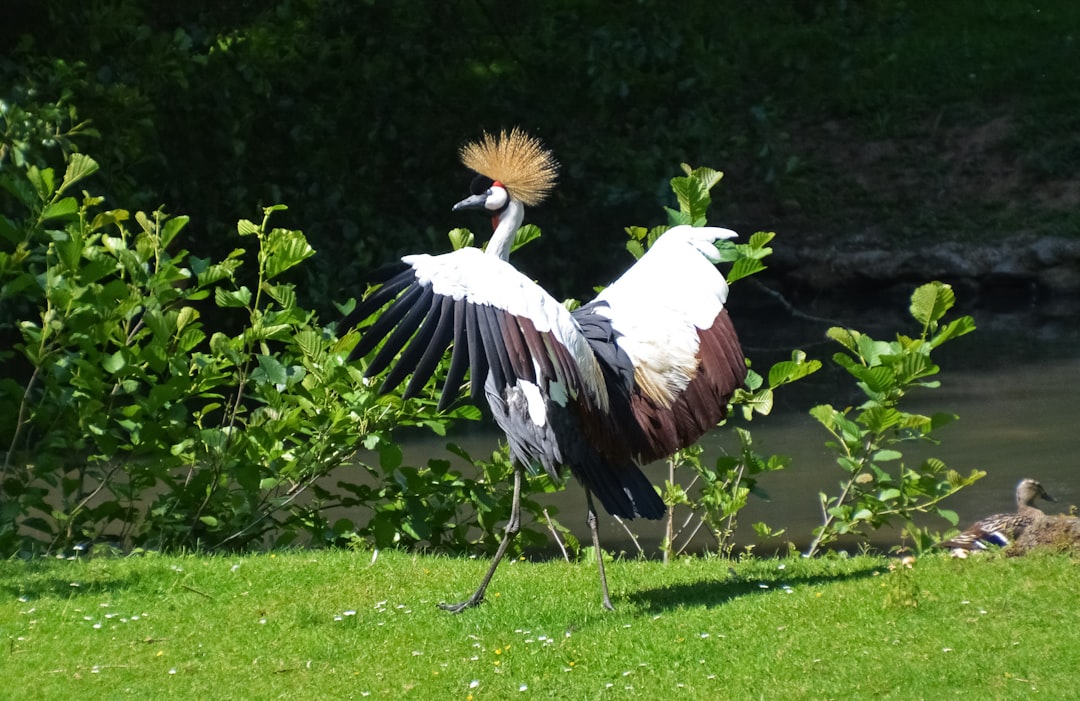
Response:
column 135, row 617
column 982, row 611
column 627, row 625
column 262, row 621
column 523, row 687
column 965, row 602
column 88, row 618
column 946, row 649
column 97, row 625
column 608, row 685
column 704, row 635
column 781, row 566
column 762, row 585
column 74, row 584
column 234, row 567
column 95, row 670
column 474, row 683
column 339, row 618
column 474, row 658
column 350, row 612
column 416, row 653
column 172, row 671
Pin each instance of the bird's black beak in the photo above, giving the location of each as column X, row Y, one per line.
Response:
column 472, row 202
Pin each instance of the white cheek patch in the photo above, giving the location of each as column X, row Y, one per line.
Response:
column 497, row 199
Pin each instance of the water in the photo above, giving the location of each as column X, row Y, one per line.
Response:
column 1012, row 382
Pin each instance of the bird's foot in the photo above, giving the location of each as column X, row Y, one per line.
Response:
column 467, row 604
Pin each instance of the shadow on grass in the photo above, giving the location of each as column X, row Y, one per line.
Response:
column 38, row 579
column 719, row 591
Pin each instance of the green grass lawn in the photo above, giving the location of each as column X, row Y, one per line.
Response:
column 336, row 625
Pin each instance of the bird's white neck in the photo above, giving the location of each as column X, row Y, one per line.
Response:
column 506, row 225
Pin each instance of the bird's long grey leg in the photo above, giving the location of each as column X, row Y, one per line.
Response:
column 512, row 528
column 605, row 600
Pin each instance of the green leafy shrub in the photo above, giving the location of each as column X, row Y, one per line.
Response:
column 878, row 486
column 126, row 418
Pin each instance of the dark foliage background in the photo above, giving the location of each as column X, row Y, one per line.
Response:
column 831, row 118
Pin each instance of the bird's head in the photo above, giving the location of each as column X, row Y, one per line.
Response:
column 1029, row 490
column 487, row 195
column 510, row 166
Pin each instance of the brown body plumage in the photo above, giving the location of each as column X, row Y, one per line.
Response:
column 1001, row 530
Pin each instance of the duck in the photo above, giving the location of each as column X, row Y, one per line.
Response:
column 1001, row 530
column 1057, row 532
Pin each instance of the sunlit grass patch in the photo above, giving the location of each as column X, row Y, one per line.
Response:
column 336, row 625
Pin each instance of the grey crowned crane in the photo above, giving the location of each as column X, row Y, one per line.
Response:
column 643, row 370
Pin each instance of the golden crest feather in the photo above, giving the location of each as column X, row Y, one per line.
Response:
column 520, row 162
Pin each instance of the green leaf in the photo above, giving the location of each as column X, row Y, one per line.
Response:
column 693, row 199
column 461, row 238
column 272, row 370
column 285, row 249
column 171, row 228
column 890, row 494
column 44, row 182
column 524, row 235
column 62, row 209
column 930, row 302
column 113, row 362
column 949, row 515
column 80, row 166
column 744, row 267
column 234, row 298
column 245, row 227
column 846, row 337
column 954, row 329
column 825, row 415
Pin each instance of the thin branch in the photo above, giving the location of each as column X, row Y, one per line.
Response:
column 555, row 535
column 637, row 544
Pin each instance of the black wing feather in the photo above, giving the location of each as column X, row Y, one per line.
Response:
column 417, row 348
column 386, row 321
column 404, row 331
column 478, row 362
column 374, row 301
column 434, row 345
column 459, row 360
